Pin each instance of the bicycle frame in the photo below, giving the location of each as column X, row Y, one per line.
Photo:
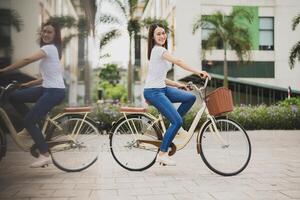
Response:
column 203, row 109
column 12, row 131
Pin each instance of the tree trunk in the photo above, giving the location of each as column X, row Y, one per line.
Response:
column 129, row 76
column 87, row 76
column 225, row 67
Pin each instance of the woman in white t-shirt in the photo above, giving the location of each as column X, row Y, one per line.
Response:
column 49, row 94
column 162, row 92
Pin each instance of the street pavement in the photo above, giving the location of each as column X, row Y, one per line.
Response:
column 273, row 173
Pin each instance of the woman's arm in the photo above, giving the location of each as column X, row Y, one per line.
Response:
column 21, row 63
column 175, row 84
column 32, row 83
column 167, row 56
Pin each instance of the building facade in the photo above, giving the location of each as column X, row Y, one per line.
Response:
column 35, row 12
column 266, row 78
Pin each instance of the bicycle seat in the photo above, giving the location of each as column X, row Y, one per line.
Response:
column 78, row 109
column 132, row 109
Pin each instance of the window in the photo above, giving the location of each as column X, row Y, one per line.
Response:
column 266, row 33
column 255, row 69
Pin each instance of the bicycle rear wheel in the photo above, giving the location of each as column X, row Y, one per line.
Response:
column 134, row 142
column 74, row 144
column 226, row 158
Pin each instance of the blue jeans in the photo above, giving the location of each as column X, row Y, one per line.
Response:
column 45, row 99
column 162, row 99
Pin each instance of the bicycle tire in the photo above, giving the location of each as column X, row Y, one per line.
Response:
column 215, row 156
column 64, row 148
column 125, row 147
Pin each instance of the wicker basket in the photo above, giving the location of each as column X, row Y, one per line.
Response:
column 219, row 101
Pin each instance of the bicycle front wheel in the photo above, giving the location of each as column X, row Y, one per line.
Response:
column 226, row 151
column 134, row 142
column 74, row 144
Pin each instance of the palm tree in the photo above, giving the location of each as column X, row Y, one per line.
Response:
column 81, row 27
column 133, row 27
column 8, row 18
column 81, row 30
column 232, row 35
column 295, row 51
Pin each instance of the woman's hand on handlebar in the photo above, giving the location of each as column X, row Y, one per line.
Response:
column 204, row 75
column 183, row 87
column 24, row 85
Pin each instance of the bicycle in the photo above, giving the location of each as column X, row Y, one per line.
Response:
column 72, row 136
column 222, row 143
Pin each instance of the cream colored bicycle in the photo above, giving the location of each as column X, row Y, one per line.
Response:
column 222, row 143
column 72, row 136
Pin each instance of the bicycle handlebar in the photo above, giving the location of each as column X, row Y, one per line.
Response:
column 193, row 86
column 11, row 86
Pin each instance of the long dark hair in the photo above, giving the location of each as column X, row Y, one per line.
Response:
column 151, row 41
column 57, row 37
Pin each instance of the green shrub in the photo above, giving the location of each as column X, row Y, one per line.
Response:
column 289, row 102
column 250, row 117
column 106, row 114
column 266, row 117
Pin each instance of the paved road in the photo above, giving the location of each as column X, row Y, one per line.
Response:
column 273, row 173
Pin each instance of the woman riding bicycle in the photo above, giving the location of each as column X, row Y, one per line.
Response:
column 161, row 96
column 46, row 96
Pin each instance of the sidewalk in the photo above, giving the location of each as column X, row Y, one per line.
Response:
column 273, row 173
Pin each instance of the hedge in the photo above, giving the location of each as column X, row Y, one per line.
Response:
column 250, row 117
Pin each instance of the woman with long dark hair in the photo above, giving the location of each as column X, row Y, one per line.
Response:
column 162, row 92
column 48, row 92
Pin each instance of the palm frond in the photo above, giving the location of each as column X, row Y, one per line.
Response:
column 106, row 55
column 132, row 4
column 64, row 21
column 209, row 21
column 133, row 26
column 241, row 13
column 108, row 36
column 211, row 41
column 120, row 5
column 148, row 21
column 108, row 18
column 240, row 42
column 294, row 54
column 67, row 39
column 11, row 17
column 295, row 22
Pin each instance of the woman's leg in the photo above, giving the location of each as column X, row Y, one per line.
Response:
column 166, row 108
column 18, row 98
column 45, row 103
column 186, row 99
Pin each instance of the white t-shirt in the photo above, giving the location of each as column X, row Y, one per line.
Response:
column 158, row 68
column 50, row 68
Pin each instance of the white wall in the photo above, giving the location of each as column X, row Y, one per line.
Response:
column 284, row 39
column 188, row 46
